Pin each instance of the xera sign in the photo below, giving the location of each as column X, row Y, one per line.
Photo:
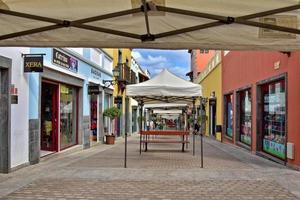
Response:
column 33, row 63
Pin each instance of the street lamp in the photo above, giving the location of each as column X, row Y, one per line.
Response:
column 116, row 75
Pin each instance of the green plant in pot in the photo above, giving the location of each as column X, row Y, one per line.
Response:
column 112, row 113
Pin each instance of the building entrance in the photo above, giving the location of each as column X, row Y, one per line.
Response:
column 49, row 118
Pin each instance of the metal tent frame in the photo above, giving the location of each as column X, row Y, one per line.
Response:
column 142, row 99
column 146, row 7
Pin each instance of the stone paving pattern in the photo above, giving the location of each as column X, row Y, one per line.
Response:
column 164, row 172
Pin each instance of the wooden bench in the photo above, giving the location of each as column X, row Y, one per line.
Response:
column 146, row 137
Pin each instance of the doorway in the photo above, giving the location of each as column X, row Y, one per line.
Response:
column 94, row 118
column 212, row 117
column 4, row 118
column 49, row 118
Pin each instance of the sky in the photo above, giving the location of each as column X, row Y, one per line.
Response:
column 176, row 61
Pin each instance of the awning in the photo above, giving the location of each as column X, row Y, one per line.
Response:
column 165, row 88
column 166, row 24
column 158, row 111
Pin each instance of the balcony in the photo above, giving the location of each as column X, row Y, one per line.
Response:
column 124, row 73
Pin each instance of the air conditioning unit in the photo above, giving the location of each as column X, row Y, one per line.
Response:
column 290, row 151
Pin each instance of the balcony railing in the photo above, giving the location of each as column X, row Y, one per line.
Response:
column 124, row 73
column 132, row 77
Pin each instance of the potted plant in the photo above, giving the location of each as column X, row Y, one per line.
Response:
column 111, row 113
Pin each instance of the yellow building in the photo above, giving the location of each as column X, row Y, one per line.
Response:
column 123, row 124
column 211, row 82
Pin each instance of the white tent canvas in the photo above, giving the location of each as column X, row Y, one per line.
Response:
column 167, row 24
column 157, row 111
column 165, row 87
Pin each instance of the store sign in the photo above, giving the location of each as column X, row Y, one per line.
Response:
column 93, row 89
column 33, row 63
column 95, row 73
column 64, row 60
column 13, row 94
column 118, row 100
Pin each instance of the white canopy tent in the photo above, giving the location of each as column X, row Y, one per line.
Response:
column 170, row 116
column 157, row 111
column 165, row 105
column 165, row 88
column 168, row 24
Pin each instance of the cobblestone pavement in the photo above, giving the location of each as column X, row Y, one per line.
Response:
column 164, row 172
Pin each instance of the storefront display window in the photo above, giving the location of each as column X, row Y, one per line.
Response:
column 68, row 96
column 229, row 115
column 274, row 114
column 94, row 116
column 245, row 116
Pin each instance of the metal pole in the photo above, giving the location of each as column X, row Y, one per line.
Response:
column 201, row 136
column 141, row 124
column 194, row 112
column 201, row 131
column 125, row 161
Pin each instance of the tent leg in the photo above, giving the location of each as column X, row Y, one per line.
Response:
column 141, row 124
column 193, row 143
column 140, row 143
column 125, row 159
column 194, row 113
column 201, row 136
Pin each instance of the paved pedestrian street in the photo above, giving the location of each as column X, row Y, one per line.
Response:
column 164, row 172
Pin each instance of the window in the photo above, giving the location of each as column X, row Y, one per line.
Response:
column 77, row 50
column 274, row 114
column 68, row 110
column 245, row 117
column 108, row 64
column 97, row 57
column 229, row 115
column 204, row 51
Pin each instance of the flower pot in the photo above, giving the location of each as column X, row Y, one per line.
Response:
column 110, row 139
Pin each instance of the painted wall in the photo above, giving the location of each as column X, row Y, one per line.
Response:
column 248, row 67
column 213, row 83
column 200, row 60
column 19, row 112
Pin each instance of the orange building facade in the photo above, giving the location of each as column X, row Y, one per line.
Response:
column 261, row 107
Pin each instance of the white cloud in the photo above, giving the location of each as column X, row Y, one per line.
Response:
column 157, row 60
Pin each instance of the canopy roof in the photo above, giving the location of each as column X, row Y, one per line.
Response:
column 165, row 105
column 165, row 87
column 170, row 116
column 171, row 24
column 157, row 111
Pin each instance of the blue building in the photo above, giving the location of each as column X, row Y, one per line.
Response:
column 67, row 99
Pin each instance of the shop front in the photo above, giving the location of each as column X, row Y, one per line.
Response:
column 266, row 85
column 59, row 110
column 272, row 129
column 244, row 117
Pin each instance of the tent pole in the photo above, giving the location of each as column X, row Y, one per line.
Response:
column 194, row 113
column 201, row 132
column 141, row 124
column 125, row 160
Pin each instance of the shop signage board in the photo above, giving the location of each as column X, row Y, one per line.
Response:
column 93, row 89
column 95, row 73
column 33, row 63
column 118, row 100
column 63, row 60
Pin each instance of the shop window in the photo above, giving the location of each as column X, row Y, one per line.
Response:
column 97, row 57
column 77, row 50
column 274, row 115
column 202, row 51
column 229, row 115
column 68, row 109
column 245, row 117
